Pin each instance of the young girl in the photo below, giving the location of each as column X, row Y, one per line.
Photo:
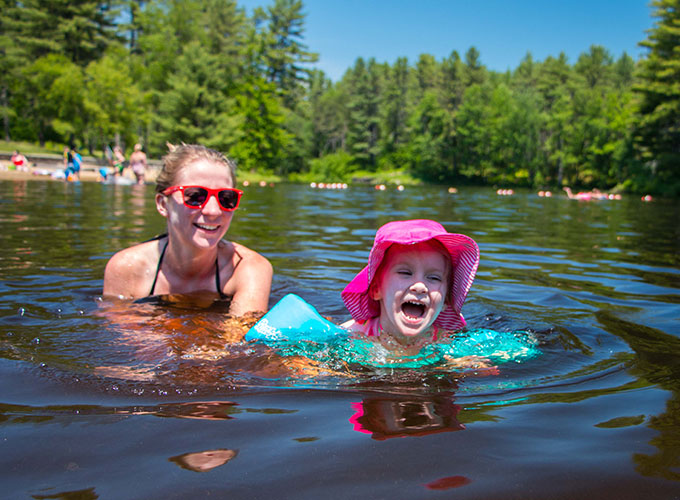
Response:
column 416, row 281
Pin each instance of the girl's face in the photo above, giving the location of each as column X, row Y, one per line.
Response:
column 412, row 290
column 199, row 227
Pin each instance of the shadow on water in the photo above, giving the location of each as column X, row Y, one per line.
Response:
column 595, row 414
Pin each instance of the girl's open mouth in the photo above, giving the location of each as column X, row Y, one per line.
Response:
column 414, row 310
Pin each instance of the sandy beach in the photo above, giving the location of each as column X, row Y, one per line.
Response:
column 15, row 175
column 89, row 172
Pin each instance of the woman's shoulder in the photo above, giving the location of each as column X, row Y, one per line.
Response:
column 250, row 257
column 141, row 251
column 126, row 272
column 250, row 280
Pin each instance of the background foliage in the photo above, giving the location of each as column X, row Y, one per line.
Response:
column 93, row 73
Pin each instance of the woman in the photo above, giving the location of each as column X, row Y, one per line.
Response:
column 195, row 193
column 138, row 163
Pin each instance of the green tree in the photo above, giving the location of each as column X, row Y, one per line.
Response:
column 329, row 116
column 133, row 28
column 554, row 83
column 396, row 108
column 263, row 140
column 9, row 64
column 453, row 82
column 624, row 72
column 519, row 132
column 473, row 134
column 55, row 87
column 595, row 106
column 113, row 103
column 658, row 130
column 81, row 30
column 595, row 67
column 475, row 72
column 363, row 134
column 429, row 126
column 177, row 39
column 427, row 73
column 195, row 108
column 525, row 75
column 286, row 57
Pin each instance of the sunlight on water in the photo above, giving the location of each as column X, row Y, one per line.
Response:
column 580, row 376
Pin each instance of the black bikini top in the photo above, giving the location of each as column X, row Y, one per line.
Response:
column 160, row 261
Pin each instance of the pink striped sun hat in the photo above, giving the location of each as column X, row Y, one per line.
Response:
column 464, row 262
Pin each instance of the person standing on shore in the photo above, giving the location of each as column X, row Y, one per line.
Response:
column 118, row 161
column 138, row 163
column 20, row 162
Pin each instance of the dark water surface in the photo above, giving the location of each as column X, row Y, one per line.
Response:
column 113, row 400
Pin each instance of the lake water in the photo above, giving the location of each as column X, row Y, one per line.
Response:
column 152, row 400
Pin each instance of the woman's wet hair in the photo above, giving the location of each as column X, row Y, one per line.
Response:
column 180, row 156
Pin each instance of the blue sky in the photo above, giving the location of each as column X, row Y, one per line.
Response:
column 503, row 31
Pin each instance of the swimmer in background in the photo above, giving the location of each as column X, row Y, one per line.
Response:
column 594, row 194
column 68, row 161
column 72, row 163
column 414, row 285
column 195, row 193
column 138, row 163
column 118, row 161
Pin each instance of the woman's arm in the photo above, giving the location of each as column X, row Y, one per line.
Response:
column 252, row 281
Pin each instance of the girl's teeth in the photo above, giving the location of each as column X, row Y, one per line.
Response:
column 413, row 310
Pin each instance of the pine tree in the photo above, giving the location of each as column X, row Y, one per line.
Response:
column 658, row 132
column 363, row 133
column 396, row 106
column 286, row 57
column 81, row 30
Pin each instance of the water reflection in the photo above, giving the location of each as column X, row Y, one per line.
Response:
column 596, row 283
column 385, row 417
column 203, row 461
column 195, row 410
column 85, row 494
column 201, row 410
column 657, row 360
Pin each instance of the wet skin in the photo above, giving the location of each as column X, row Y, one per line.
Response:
column 412, row 290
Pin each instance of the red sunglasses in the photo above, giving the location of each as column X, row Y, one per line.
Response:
column 198, row 196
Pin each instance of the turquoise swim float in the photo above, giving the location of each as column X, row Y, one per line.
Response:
column 295, row 327
column 293, row 319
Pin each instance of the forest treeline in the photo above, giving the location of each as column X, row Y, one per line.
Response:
column 205, row 71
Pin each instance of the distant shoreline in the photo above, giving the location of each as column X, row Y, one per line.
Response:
column 15, row 175
column 41, row 168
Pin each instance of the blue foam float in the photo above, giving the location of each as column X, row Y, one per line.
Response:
column 292, row 319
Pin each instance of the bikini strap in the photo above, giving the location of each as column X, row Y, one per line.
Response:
column 158, row 267
column 218, row 283
column 217, row 279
